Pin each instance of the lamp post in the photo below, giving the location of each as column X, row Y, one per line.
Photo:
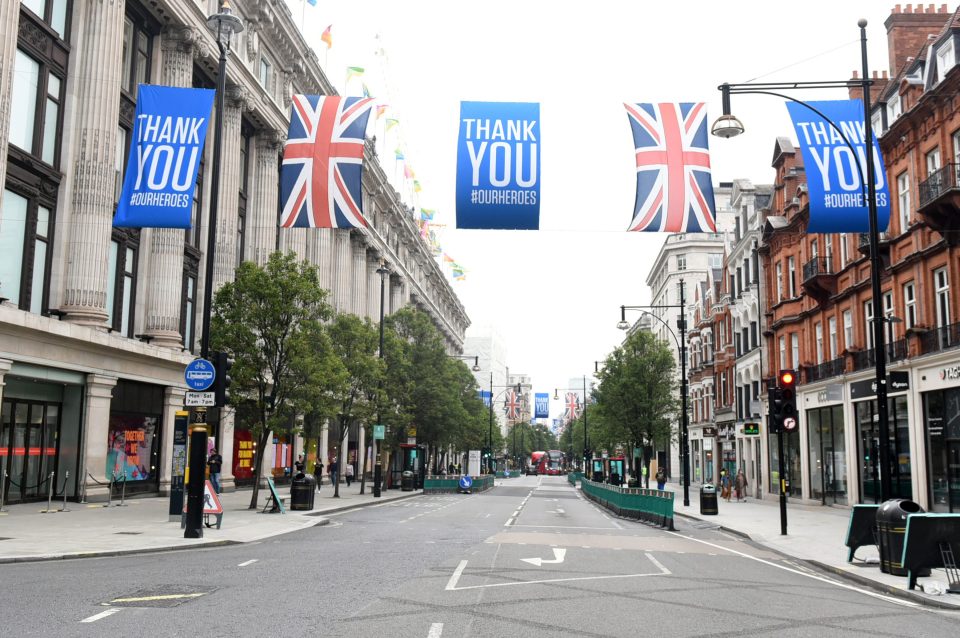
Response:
column 383, row 271
column 474, row 368
column 682, row 348
column 729, row 126
column 556, row 396
column 223, row 24
column 519, row 389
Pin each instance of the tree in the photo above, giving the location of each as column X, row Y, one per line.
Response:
column 269, row 320
column 636, row 399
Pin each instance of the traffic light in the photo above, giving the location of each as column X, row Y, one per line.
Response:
column 788, row 399
column 775, row 399
column 222, row 362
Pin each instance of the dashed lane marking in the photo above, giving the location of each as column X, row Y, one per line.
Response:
column 103, row 614
column 249, row 562
column 436, row 630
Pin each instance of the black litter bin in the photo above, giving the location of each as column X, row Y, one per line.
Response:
column 302, row 489
column 891, row 531
column 615, row 479
column 407, row 481
column 708, row 499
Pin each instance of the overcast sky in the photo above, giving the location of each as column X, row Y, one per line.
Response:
column 554, row 294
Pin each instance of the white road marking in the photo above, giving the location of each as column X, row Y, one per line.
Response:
column 101, row 615
column 559, row 554
column 508, row 523
column 557, row 580
column 657, row 563
column 249, row 562
column 455, row 576
column 865, row 592
column 560, row 511
column 436, row 630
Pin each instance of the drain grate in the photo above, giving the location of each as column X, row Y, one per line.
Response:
column 160, row 596
column 128, row 533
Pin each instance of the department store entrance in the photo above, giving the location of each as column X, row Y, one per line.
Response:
column 29, row 438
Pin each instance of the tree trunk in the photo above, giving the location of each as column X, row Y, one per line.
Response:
column 363, row 467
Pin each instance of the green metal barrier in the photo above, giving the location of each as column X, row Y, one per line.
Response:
column 451, row 484
column 652, row 506
column 573, row 477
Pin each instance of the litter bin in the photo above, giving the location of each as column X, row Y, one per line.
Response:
column 891, row 531
column 615, row 479
column 302, row 489
column 708, row 499
column 407, row 481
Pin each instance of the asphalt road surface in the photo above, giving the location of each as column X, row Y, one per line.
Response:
column 529, row 558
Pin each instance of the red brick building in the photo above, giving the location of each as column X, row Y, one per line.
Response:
column 818, row 298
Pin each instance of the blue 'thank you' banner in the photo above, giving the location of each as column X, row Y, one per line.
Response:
column 498, row 165
column 485, row 397
column 169, row 131
column 541, row 403
column 838, row 202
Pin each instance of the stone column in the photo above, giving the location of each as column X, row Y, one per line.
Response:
column 9, row 21
column 165, row 276
column 323, row 446
column 262, row 216
column 225, row 448
column 294, row 240
column 397, row 294
column 225, row 259
column 93, row 439
column 5, row 365
column 359, row 283
column 324, row 251
column 361, row 452
column 98, row 62
column 172, row 402
column 373, row 287
column 341, row 271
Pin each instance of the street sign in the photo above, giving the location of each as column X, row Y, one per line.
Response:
column 378, row 432
column 789, row 424
column 199, row 375
column 200, row 399
column 466, row 482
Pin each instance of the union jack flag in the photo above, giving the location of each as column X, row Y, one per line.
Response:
column 674, row 187
column 512, row 405
column 323, row 162
column 572, row 410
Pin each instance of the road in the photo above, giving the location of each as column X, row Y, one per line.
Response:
column 529, row 558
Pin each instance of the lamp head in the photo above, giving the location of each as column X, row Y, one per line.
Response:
column 476, row 364
column 623, row 325
column 727, row 126
column 224, row 24
column 556, row 395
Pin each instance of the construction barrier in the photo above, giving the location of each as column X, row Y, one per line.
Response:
column 651, row 506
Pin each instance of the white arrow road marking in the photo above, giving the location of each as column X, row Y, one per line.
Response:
column 436, row 630
column 102, row 614
column 558, row 555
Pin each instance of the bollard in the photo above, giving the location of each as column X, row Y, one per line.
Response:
column 3, row 486
column 49, row 495
column 65, row 481
column 123, row 491
column 110, row 490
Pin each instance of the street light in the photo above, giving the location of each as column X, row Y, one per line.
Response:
column 224, row 24
column 519, row 391
column 729, row 126
column 682, row 348
column 384, row 272
column 556, row 396
column 467, row 357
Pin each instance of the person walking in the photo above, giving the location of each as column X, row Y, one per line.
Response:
column 348, row 472
column 298, row 465
column 215, row 463
column 740, row 485
column 661, row 479
column 318, row 472
column 725, row 485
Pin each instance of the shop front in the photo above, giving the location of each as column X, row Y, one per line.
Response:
column 863, row 395
column 791, row 463
column 134, row 436
column 727, row 447
column 941, row 417
column 827, row 445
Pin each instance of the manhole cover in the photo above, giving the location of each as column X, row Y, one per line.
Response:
column 129, row 533
column 160, row 596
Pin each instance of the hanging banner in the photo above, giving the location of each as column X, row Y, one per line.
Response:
column 838, row 202
column 169, row 130
column 498, row 165
column 485, row 397
column 541, row 403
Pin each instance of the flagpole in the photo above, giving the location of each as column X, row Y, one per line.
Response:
column 303, row 18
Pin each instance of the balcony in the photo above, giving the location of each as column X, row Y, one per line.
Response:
column 825, row 370
column 819, row 279
column 896, row 351
column 940, row 199
column 883, row 246
column 942, row 338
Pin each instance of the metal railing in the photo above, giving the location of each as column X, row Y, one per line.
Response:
column 942, row 338
column 863, row 241
column 825, row 370
column 943, row 180
column 816, row 267
column 896, row 351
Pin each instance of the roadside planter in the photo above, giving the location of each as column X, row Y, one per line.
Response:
column 651, row 506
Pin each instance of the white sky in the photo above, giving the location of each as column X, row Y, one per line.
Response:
column 554, row 294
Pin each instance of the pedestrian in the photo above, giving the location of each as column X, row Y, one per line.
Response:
column 661, row 479
column 318, row 472
column 740, row 485
column 298, row 466
column 725, row 485
column 644, row 475
column 348, row 472
column 215, row 463
column 452, row 469
column 334, row 471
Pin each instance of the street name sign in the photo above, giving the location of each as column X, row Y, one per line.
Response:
column 199, row 375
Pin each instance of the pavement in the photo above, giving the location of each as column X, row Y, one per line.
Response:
column 142, row 524
column 815, row 535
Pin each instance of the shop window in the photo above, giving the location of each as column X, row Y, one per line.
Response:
column 942, row 425
column 868, row 441
column 827, row 446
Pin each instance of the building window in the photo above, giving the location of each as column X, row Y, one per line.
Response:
column 942, row 287
column 792, row 276
column 944, row 59
column 795, row 350
column 188, row 314
column 25, row 240
column 932, row 161
column 887, row 313
column 715, row 260
column 832, row 333
column 779, row 274
column 814, row 249
column 868, row 322
column 121, row 295
column 847, row 329
column 53, row 12
column 266, row 73
column 893, row 108
column 828, row 246
column 35, row 109
column 909, row 305
column 818, row 330
column 903, row 200
column 783, row 353
column 844, row 254
column 956, row 146
column 681, row 262
column 137, row 48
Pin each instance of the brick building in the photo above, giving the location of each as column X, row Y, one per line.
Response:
column 818, row 298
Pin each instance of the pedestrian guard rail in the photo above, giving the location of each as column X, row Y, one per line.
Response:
column 932, row 541
column 652, row 506
column 446, row 484
column 862, row 529
column 574, row 477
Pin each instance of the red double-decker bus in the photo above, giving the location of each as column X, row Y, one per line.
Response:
column 536, row 459
column 552, row 463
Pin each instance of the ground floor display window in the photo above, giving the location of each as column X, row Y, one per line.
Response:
column 697, row 463
column 133, row 436
column 868, row 441
column 942, row 425
column 244, row 457
column 791, row 463
column 828, row 450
